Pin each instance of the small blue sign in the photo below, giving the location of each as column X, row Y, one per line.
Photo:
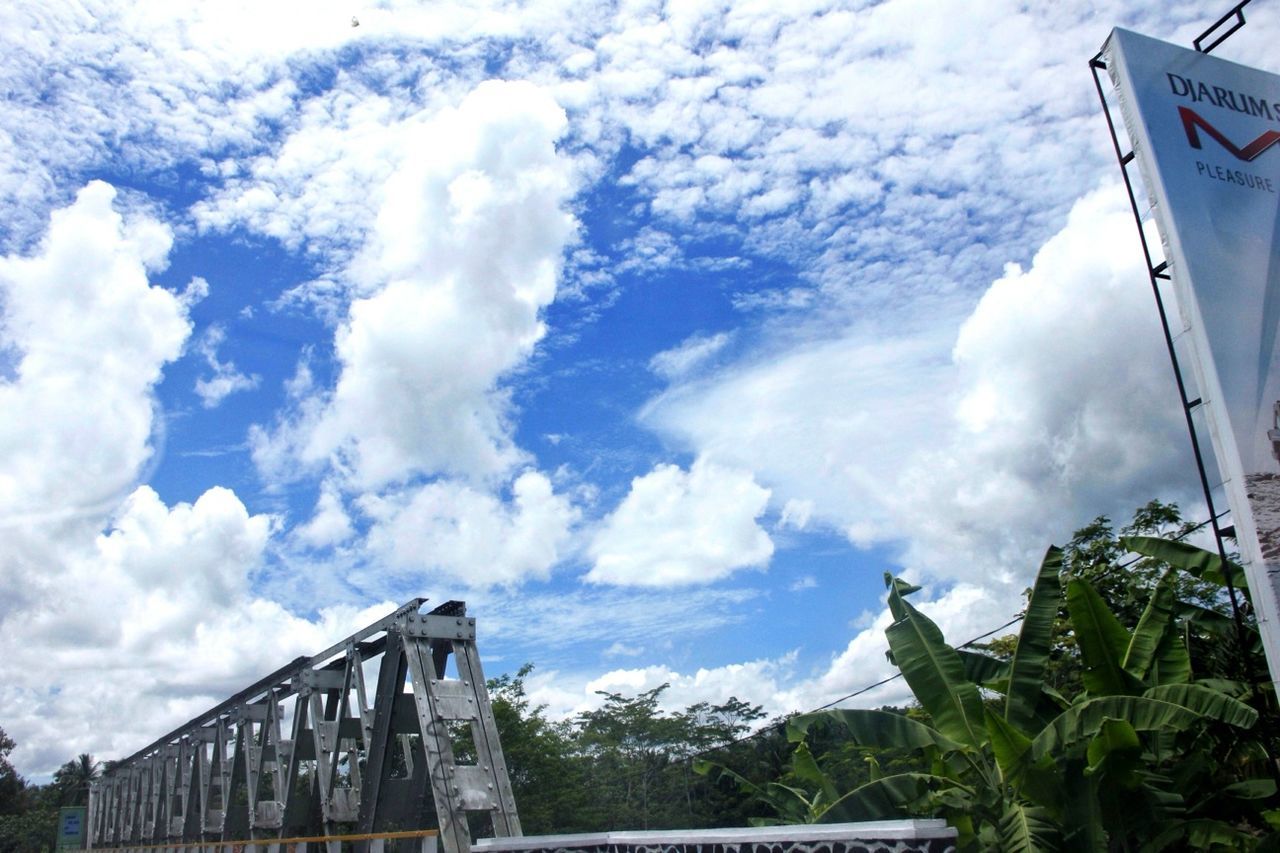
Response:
column 71, row 827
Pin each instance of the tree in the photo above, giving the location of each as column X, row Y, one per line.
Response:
column 630, row 744
column 12, row 786
column 1125, row 579
column 546, row 780
column 72, row 779
column 639, row 763
column 29, row 831
column 27, row 821
column 624, row 765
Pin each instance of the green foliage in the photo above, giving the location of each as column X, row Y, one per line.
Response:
column 12, row 786
column 1108, row 722
column 548, row 784
column 28, row 814
column 71, row 780
column 624, row 765
column 1025, row 785
column 29, row 831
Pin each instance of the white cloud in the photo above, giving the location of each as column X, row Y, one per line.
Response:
column 464, row 255
column 796, row 514
column 226, row 379
column 112, row 636
column 89, row 337
column 678, row 362
column 1054, row 403
column 147, row 626
column 757, row 682
column 330, row 524
column 447, row 530
column 826, row 423
column 962, row 613
column 676, row 528
column 862, row 147
column 780, row 684
column 1067, row 406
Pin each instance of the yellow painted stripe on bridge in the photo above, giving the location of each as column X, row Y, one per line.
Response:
column 263, row 842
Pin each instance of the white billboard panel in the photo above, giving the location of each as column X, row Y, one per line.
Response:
column 1206, row 133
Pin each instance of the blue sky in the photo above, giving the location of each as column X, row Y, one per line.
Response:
column 656, row 332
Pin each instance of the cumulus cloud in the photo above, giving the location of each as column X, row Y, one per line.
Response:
column 447, row 530
column 679, row 527
column 464, row 256
column 760, row 681
column 110, row 635
column 146, row 626
column 330, row 524
column 87, row 336
column 780, row 684
column 1054, row 403
column 962, row 612
column 121, row 615
column 1067, row 406
column 863, row 148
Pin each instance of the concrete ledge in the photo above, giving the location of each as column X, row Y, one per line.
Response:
column 889, row 836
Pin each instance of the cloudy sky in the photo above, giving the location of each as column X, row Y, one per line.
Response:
column 656, row 332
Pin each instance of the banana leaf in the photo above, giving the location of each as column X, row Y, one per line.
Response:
column 1027, row 829
column 1198, row 834
column 1207, row 702
column 935, row 673
column 888, row 797
column 1116, row 750
column 984, row 670
column 1205, row 565
column 879, row 729
column 1153, row 627
column 1007, row 743
column 1038, row 782
column 1175, row 707
column 898, row 590
column 1103, row 643
column 1026, row 670
column 805, row 767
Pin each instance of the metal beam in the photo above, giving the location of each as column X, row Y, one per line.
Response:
column 257, row 766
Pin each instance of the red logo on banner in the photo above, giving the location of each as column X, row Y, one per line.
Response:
column 1191, row 120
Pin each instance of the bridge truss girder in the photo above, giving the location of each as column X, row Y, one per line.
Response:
column 419, row 750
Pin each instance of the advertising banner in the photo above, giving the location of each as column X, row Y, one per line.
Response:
column 1206, row 135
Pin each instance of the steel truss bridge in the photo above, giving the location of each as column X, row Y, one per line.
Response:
column 389, row 730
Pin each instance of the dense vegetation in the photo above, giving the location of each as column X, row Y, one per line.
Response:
column 1131, row 712
column 29, row 813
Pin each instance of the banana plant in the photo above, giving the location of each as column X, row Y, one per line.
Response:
column 794, row 804
column 1021, row 771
